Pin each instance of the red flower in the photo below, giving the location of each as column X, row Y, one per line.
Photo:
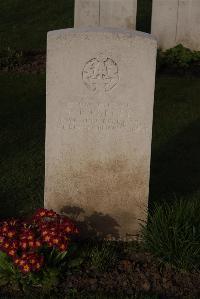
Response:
column 37, row 244
column 40, row 213
column 30, row 237
column 24, row 255
column 21, row 240
column 32, row 261
column 23, row 245
column 17, row 260
column 21, row 262
column 29, row 262
column 44, row 232
column 15, row 244
column 35, row 261
column 68, row 229
column 5, row 229
column 6, row 244
column 11, row 252
column 31, row 244
column 11, row 233
column 25, row 268
column 47, row 238
column 53, row 233
column 26, row 236
column 51, row 213
column 63, row 246
column 55, row 241
column 42, row 226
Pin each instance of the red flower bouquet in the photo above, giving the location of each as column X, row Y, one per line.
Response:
column 24, row 242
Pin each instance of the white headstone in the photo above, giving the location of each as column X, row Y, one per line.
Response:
column 189, row 24
column 176, row 22
column 107, row 13
column 86, row 13
column 100, row 94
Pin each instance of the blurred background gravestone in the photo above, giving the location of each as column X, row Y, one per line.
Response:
column 106, row 13
column 176, row 22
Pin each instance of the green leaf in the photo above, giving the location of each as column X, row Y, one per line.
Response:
column 75, row 262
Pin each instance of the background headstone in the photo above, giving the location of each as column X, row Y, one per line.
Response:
column 164, row 22
column 189, row 24
column 107, row 13
column 100, row 94
column 86, row 13
column 176, row 22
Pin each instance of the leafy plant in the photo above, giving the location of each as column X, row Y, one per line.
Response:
column 11, row 58
column 102, row 255
column 33, row 252
column 8, row 272
column 173, row 233
column 178, row 57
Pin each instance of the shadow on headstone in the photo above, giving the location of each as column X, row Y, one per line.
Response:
column 97, row 224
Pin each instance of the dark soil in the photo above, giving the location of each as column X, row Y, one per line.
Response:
column 138, row 272
column 31, row 62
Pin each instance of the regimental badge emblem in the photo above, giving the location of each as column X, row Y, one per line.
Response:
column 100, row 74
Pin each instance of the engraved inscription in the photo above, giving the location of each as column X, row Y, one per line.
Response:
column 100, row 74
column 101, row 116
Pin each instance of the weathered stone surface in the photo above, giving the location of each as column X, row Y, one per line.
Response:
column 107, row 13
column 118, row 13
column 86, row 13
column 175, row 22
column 163, row 22
column 100, row 92
column 189, row 24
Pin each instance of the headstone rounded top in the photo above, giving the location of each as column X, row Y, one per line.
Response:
column 101, row 30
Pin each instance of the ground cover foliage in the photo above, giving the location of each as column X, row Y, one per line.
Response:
column 172, row 233
column 179, row 60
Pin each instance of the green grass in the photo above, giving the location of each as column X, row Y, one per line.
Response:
column 22, row 126
column 173, row 233
column 24, row 24
column 175, row 164
column 100, row 255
